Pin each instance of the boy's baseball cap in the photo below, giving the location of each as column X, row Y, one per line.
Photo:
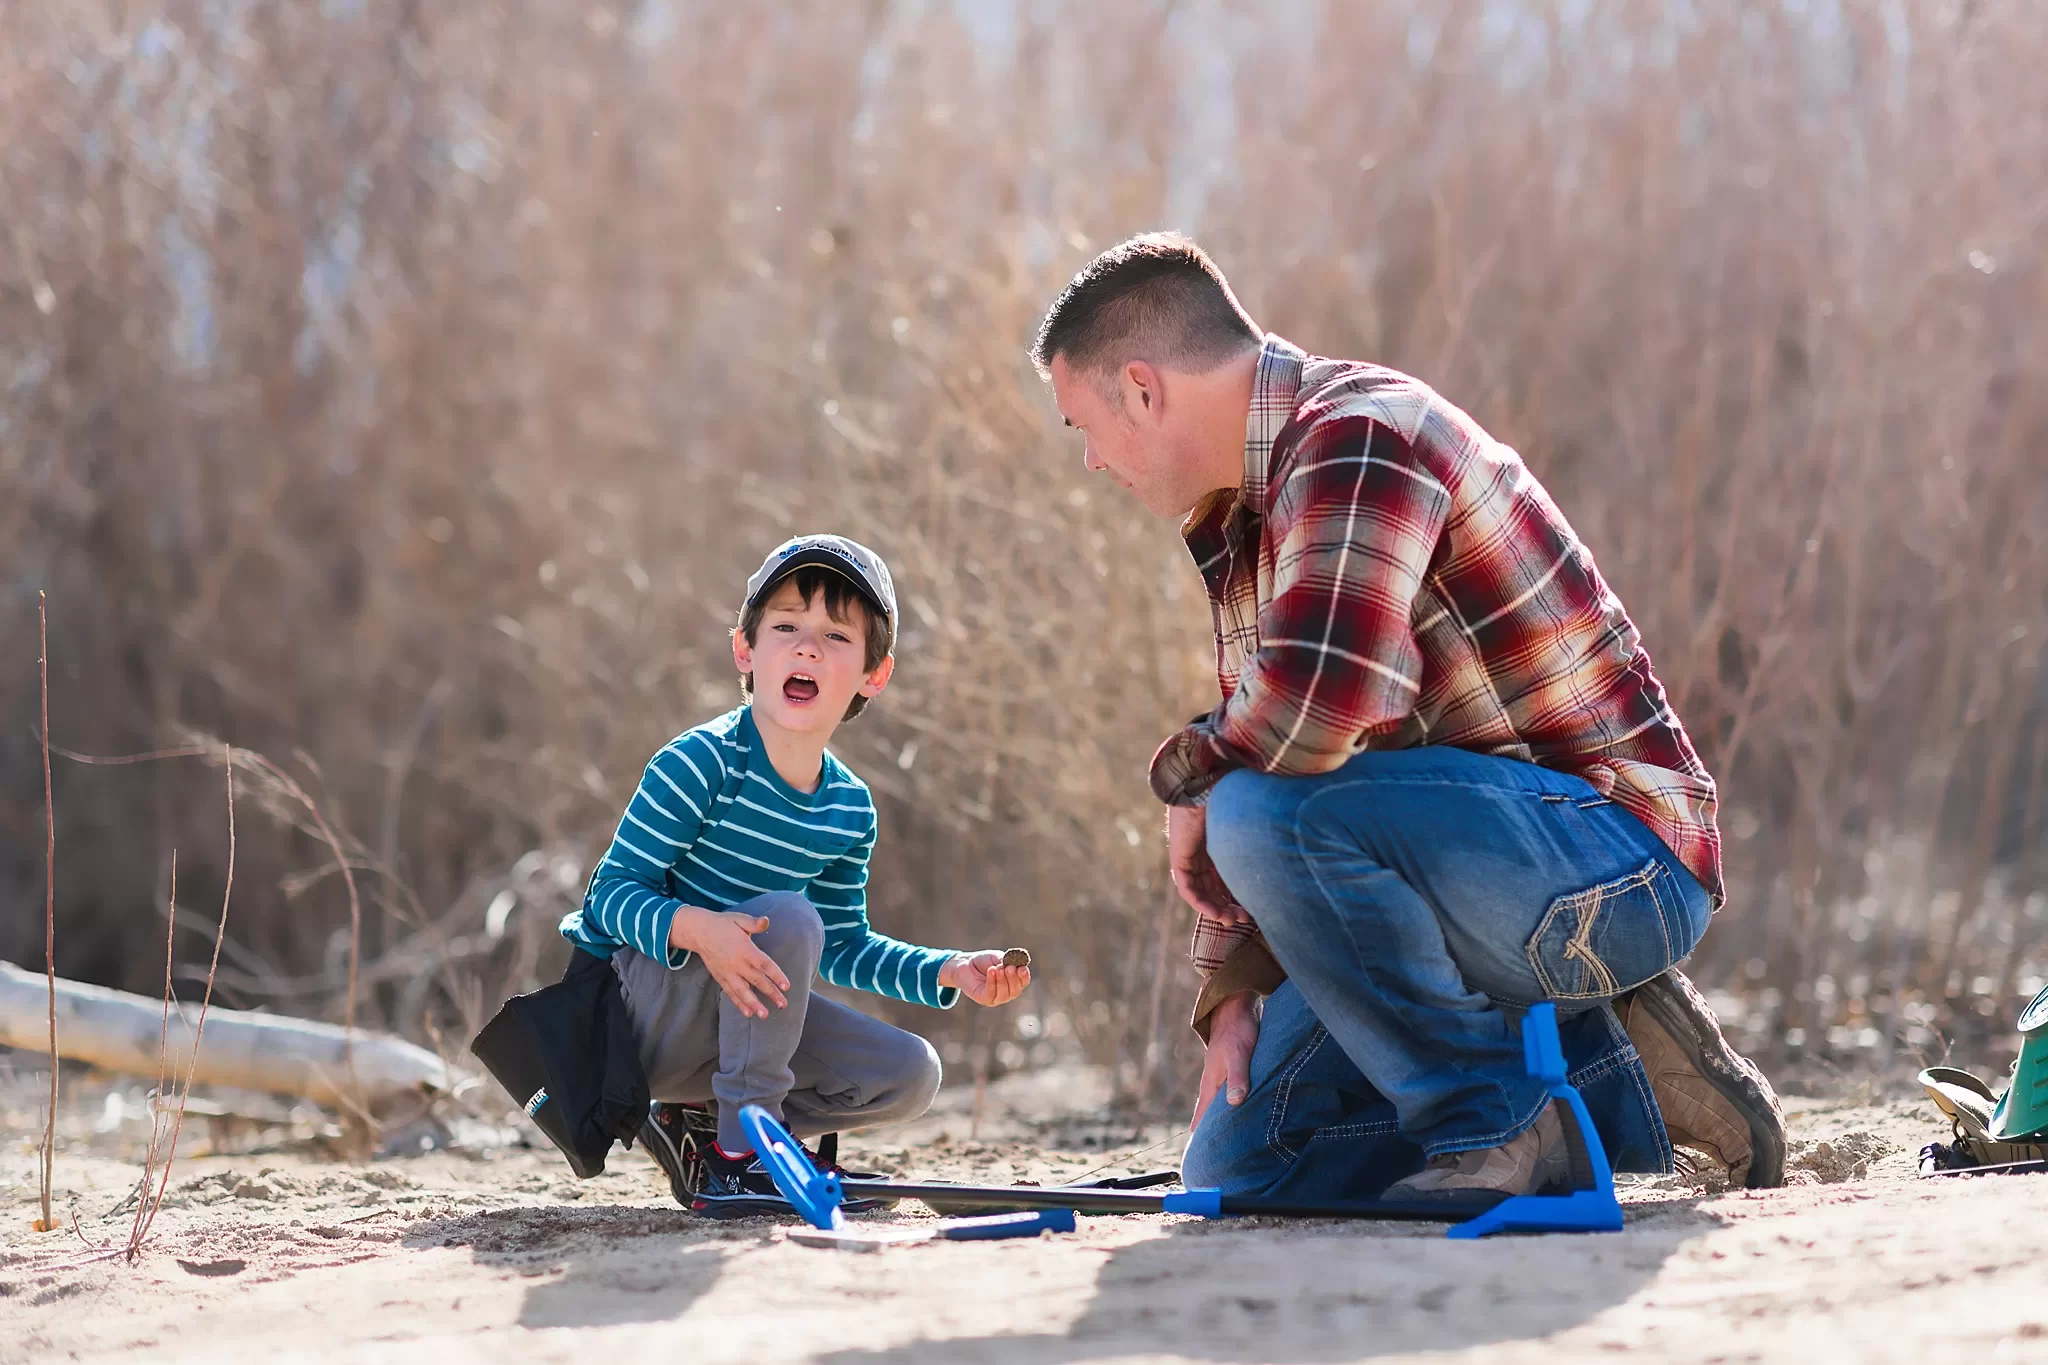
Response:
column 850, row 559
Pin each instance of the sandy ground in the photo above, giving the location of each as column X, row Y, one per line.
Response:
column 276, row 1255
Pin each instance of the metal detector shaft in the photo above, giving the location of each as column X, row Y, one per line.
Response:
column 1008, row 1196
column 1202, row 1203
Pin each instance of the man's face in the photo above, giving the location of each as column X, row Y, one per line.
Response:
column 807, row 666
column 1129, row 440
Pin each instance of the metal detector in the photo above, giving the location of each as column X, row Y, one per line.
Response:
column 1589, row 1207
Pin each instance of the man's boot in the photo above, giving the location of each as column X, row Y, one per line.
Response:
column 1713, row 1098
column 1536, row 1161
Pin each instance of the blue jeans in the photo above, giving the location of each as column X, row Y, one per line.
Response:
column 1419, row 900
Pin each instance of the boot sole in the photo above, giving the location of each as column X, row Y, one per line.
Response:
column 1678, row 1009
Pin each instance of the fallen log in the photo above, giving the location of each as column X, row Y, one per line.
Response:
column 243, row 1048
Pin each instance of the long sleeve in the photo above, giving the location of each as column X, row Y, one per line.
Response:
column 859, row 958
column 1353, row 522
column 628, row 900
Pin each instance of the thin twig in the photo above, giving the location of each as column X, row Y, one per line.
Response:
column 156, row 1110
column 355, row 904
column 116, row 760
column 290, row 787
column 80, row 1233
column 364, row 1218
column 47, row 1224
column 199, row 1029
column 1125, row 1158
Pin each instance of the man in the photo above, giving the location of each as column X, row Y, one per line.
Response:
column 1443, row 782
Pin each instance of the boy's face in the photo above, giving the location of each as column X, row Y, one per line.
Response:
column 807, row 666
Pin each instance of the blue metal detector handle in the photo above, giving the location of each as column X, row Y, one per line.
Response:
column 1594, row 1210
column 815, row 1193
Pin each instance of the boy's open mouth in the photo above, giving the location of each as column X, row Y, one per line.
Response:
column 800, row 688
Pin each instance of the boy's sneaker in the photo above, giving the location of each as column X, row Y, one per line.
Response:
column 677, row 1136
column 740, row 1186
column 1713, row 1098
column 736, row 1177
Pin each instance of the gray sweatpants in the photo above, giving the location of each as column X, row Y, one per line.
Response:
column 817, row 1064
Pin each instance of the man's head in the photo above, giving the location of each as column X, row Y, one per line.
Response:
column 814, row 639
column 1151, row 356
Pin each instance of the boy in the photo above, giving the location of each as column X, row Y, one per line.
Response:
column 739, row 872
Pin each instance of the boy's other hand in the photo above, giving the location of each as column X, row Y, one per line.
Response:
column 983, row 978
column 724, row 939
column 1194, row 875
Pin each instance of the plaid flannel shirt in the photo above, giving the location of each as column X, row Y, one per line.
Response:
column 1389, row 575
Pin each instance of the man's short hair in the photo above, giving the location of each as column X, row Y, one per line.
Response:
column 1157, row 297
column 843, row 602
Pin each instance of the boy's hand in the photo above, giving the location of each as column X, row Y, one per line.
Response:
column 983, row 978
column 724, row 940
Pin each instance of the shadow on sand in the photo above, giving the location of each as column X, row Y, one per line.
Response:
column 1303, row 1293
column 620, row 1264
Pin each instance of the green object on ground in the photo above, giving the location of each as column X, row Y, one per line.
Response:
column 2023, row 1109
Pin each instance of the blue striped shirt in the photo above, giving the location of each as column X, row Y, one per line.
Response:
column 713, row 824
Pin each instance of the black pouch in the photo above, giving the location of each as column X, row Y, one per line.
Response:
column 566, row 1053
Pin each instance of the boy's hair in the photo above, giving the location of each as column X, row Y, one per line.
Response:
column 1156, row 297
column 842, row 602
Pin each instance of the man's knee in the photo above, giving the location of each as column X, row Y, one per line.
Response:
column 794, row 927
column 1228, row 1152
column 1247, row 816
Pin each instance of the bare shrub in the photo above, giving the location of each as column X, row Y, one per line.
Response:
column 412, row 387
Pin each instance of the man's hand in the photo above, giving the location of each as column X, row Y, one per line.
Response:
column 724, row 939
column 1227, row 1065
column 983, row 978
column 1194, row 876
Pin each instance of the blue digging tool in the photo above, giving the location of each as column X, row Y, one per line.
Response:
column 1590, row 1207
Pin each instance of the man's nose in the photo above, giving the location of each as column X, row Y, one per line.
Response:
column 1089, row 461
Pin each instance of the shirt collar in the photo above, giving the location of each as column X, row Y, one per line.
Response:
column 1275, row 387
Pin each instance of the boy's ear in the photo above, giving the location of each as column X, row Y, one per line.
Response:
column 873, row 684
column 742, row 653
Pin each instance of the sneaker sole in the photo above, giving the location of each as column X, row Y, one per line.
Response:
column 727, row 1206
column 1679, row 1009
column 668, row 1158
column 723, row 1207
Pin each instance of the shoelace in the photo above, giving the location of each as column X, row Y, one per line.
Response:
column 819, row 1163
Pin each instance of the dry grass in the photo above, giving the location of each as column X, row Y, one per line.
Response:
column 410, row 390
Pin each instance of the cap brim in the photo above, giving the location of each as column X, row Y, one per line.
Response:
column 819, row 559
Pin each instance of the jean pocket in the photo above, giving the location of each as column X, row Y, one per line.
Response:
column 1595, row 944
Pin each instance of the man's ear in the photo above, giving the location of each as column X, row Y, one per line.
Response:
column 742, row 653
column 1143, row 391
column 873, row 684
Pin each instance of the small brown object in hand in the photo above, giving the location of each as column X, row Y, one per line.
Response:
column 1016, row 957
